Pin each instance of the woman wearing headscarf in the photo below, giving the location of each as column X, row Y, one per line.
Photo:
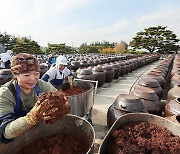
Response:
column 18, row 111
column 56, row 74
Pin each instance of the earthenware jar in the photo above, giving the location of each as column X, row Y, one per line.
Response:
column 96, row 62
column 91, row 63
column 152, row 84
column 5, row 76
column 159, row 79
column 108, row 69
column 122, row 68
column 127, row 66
column 75, row 65
column 85, row 74
column 174, row 93
column 149, row 99
column 100, row 75
column 175, row 80
column 124, row 103
column 116, row 69
column 84, row 64
column 173, row 107
column 174, row 118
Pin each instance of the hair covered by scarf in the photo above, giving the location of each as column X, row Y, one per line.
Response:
column 24, row 63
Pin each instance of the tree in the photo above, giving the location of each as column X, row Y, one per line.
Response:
column 60, row 48
column 25, row 44
column 156, row 39
column 97, row 47
column 107, row 50
column 7, row 41
column 121, row 47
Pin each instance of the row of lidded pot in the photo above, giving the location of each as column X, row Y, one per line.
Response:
column 89, row 60
column 172, row 108
column 106, row 72
column 146, row 95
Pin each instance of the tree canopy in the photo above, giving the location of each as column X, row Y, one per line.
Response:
column 156, row 39
column 7, row 41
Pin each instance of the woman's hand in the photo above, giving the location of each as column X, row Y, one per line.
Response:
column 41, row 112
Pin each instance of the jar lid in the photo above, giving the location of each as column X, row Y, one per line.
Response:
column 149, row 82
column 129, row 102
column 145, row 93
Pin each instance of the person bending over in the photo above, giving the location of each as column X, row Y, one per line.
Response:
column 57, row 73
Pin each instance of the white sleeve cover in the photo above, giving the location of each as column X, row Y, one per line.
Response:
column 16, row 128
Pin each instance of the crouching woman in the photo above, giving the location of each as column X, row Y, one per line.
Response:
column 18, row 112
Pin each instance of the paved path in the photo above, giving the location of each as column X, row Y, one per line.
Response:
column 107, row 94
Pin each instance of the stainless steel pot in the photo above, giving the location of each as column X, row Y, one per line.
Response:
column 138, row 117
column 82, row 104
column 72, row 125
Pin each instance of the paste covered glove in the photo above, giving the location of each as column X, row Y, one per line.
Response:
column 50, row 107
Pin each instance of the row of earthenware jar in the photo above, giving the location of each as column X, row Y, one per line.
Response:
column 113, row 61
column 146, row 95
column 172, row 108
column 150, row 86
column 106, row 72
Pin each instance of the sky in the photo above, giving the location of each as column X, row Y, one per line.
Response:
column 85, row 21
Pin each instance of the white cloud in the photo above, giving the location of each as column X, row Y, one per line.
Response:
column 168, row 16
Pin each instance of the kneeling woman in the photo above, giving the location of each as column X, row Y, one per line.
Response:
column 18, row 97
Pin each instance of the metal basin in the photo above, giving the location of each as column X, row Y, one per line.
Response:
column 72, row 125
column 139, row 117
column 81, row 104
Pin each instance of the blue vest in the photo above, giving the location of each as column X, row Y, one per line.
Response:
column 17, row 111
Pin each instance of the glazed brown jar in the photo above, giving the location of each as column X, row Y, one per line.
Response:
column 174, row 118
column 116, row 69
column 108, row 69
column 151, row 83
column 122, row 68
column 5, row 76
column 173, row 107
column 157, row 72
column 127, row 66
column 91, row 63
column 124, row 103
column 174, row 93
column 85, row 74
column 100, row 75
column 175, row 70
column 96, row 62
column 175, row 80
column 159, row 79
column 84, row 64
column 75, row 65
column 149, row 99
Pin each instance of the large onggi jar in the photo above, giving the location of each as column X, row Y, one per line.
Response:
column 173, row 107
column 174, row 93
column 100, row 75
column 152, row 84
column 85, row 74
column 150, row 99
column 5, row 76
column 108, row 69
column 124, row 103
